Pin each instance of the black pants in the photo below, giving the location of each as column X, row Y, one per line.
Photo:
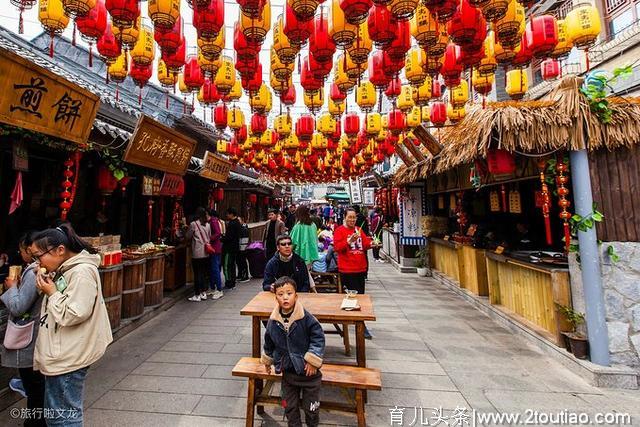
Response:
column 292, row 385
column 230, row 269
column 200, row 267
column 243, row 268
column 33, row 382
column 353, row 281
column 269, row 252
column 376, row 252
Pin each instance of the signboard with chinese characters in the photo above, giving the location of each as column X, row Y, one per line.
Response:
column 36, row 99
column 355, row 190
column 159, row 147
column 170, row 185
column 215, row 168
column 20, row 156
column 411, row 210
column 151, row 185
column 369, row 196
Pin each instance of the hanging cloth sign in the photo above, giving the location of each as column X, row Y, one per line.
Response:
column 20, row 157
column 411, row 210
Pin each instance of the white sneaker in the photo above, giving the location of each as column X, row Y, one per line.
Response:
column 195, row 298
column 211, row 293
column 203, row 296
column 217, row 295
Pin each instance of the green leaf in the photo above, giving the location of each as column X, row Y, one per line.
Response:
column 118, row 174
column 597, row 217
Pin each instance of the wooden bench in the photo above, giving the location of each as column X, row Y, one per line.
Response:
column 349, row 377
column 327, row 282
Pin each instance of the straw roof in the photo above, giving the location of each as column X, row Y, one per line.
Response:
column 531, row 127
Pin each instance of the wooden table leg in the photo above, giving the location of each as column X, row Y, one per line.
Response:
column 360, row 409
column 345, row 339
column 251, row 395
column 256, row 351
column 361, row 354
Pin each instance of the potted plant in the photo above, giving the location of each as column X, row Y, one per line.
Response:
column 421, row 263
column 577, row 340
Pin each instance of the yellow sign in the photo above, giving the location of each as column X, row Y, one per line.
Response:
column 36, row 99
column 499, row 250
column 215, row 168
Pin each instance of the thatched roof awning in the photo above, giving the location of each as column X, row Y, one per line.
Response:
column 532, row 127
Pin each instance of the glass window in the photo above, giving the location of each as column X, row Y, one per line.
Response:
column 621, row 22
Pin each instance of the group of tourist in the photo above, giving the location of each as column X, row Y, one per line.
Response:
column 58, row 324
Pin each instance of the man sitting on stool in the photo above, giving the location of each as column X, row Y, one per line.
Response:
column 286, row 263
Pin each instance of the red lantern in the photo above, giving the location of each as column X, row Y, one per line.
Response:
column 247, row 67
column 391, row 66
column 320, row 70
column 209, row 19
column 470, row 58
column 140, row 74
column 390, row 144
column 210, row 94
column 307, row 80
column 466, row 22
column 394, row 88
column 550, row 69
column 336, row 94
column 452, row 66
column 436, row 89
column 176, row 60
column 107, row 183
column 321, row 45
column 289, row 97
column 399, row 47
column 296, row 30
column 193, row 76
column 355, row 11
column 500, row 162
column 169, row 40
column 542, row 35
column 241, row 134
column 251, row 8
column 258, row 124
column 123, row 12
column 377, row 74
column 220, row 116
column 266, row 201
column 108, row 46
column 245, row 50
column 251, row 82
column 351, row 124
column 523, row 56
column 445, row 10
column 397, row 122
column 92, row 26
column 438, row 114
column 382, row 25
column 218, row 194
column 305, row 127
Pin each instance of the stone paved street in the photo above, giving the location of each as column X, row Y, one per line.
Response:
column 434, row 349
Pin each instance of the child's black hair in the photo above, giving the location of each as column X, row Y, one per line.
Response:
column 26, row 239
column 285, row 280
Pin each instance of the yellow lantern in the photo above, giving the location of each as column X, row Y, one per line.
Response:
column 503, row 54
column 281, row 44
column 482, row 83
column 340, row 77
column 384, row 131
column 221, row 146
column 256, row 29
column 260, row 100
column 426, row 113
column 437, row 48
column 316, row 141
column 360, row 49
column 517, row 83
column 279, row 87
column 281, row 71
column 424, row 27
column 225, row 76
column 118, row 70
column 336, row 108
column 366, row 96
column 236, row 91
column 208, row 67
column 488, row 64
column 314, row 100
column 267, row 139
column 144, row 52
column 405, row 99
column 403, row 9
column 52, row 18
column 127, row 36
column 267, row 109
column 259, row 156
column 354, row 71
column 583, row 25
column 422, row 94
column 342, row 32
column 282, row 124
column 326, row 124
column 211, row 49
column 509, row 29
column 164, row 13
column 373, row 124
column 460, row 94
column 413, row 70
column 291, row 142
column 166, row 78
column 564, row 45
column 182, row 86
column 235, row 118
column 494, row 10
column 455, row 114
column 252, row 141
column 77, row 8
column 414, row 117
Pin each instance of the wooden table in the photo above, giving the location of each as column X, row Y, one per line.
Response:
column 325, row 307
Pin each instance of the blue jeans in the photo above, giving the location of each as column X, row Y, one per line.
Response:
column 216, row 279
column 63, row 398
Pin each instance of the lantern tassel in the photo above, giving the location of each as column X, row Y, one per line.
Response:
column 140, row 96
column 107, row 78
column 21, row 22
column 52, row 35
column 73, row 36
column 166, row 100
column 117, row 92
column 567, row 236
column 586, row 54
column 90, row 55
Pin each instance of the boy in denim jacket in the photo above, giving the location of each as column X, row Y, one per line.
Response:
column 294, row 342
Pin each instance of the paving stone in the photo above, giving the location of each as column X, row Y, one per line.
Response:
column 195, row 358
column 225, row 407
column 401, row 367
column 202, row 386
column 168, row 403
column 520, row 401
column 105, row 417
column 207, row 338
column 190, row 346
column 237, row 348
column 405, row 355
column 418, row 398
column 170, row 369
column 418, row 382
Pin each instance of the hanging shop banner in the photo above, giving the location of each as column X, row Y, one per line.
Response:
column 215, row 168
column 411, row 210
column 369, row 196
column 159, row 147
column 20, row 157
column 170, row 185
column 151, row 185
column 36, row 99
column 355, row 190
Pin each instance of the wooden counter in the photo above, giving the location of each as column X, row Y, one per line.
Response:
column 528, row 293
column 463, row 263
column 445, row 257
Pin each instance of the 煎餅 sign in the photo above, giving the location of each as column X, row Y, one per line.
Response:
column 159, row 147
column 215, row 168
column 36, row 99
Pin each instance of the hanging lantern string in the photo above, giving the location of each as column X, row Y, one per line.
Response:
column 73, row 36
column 21, row 21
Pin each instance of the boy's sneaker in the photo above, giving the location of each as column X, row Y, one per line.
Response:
column 195, row 298
column 210, row 293
column 15, row 384
column 217, row 295
column 203, row 296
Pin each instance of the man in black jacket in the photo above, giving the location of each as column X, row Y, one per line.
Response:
column 286, row 263
column 231, row 247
